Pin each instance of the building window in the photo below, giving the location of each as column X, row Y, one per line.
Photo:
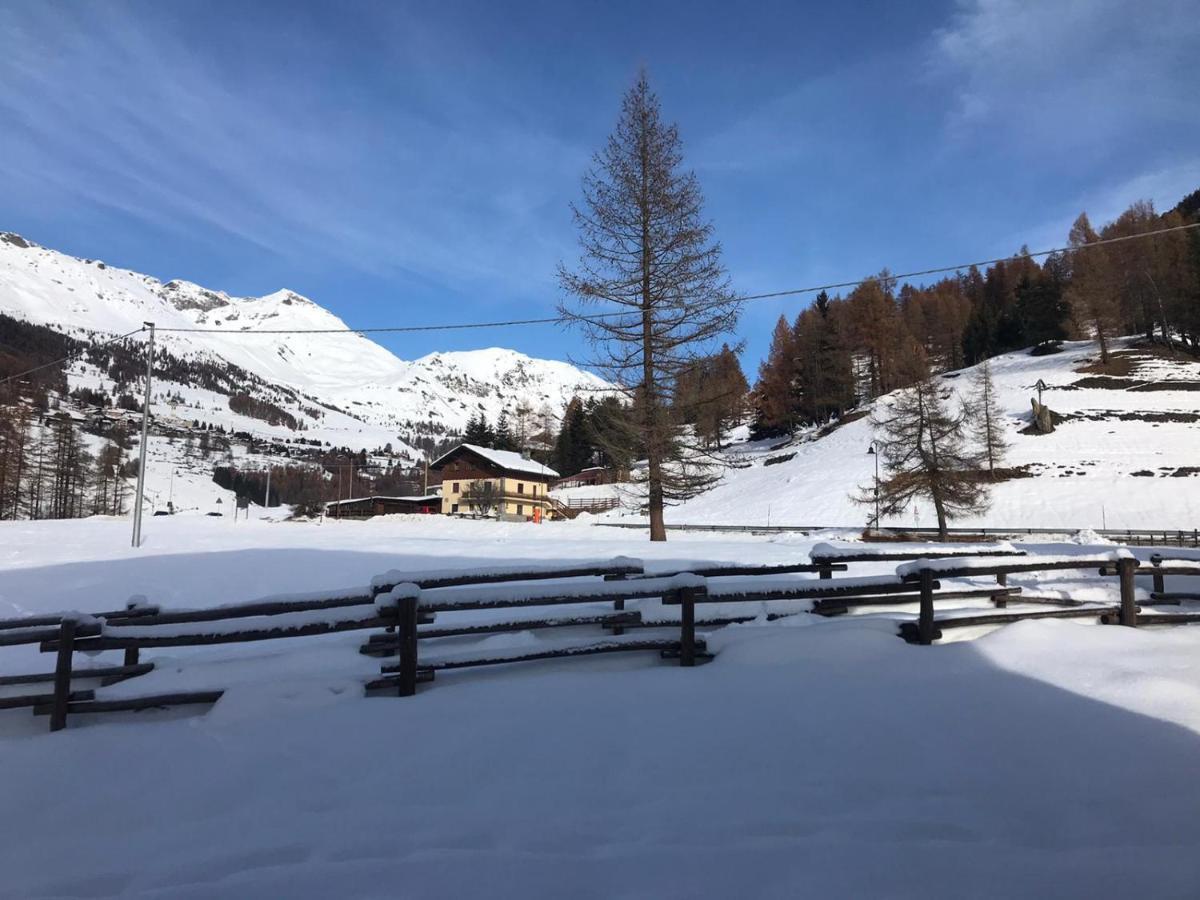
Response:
column 454, row 508
column 520, row 487
column 520, row 509
column 454, row 488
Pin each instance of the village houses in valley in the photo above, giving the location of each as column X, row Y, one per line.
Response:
column 479, row 481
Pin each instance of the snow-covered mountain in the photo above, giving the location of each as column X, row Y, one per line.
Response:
column 343, row 387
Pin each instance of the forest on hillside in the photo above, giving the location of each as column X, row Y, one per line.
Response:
column 882, row 336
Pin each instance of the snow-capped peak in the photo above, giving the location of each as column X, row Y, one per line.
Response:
column 353, row 390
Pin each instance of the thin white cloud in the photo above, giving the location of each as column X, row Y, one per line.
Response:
column 141, row 119
column 1068, row 72
column 1164, row 187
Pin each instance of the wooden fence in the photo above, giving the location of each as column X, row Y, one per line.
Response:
column 406, row 609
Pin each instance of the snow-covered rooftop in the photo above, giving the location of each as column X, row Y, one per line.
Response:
column 505, row 459
column 415, row 499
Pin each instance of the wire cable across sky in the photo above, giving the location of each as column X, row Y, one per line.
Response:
column 558, row 320
column 73, row 356
column 792, row 292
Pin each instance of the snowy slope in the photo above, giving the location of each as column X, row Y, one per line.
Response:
column 1128, row 455
column 369, row 396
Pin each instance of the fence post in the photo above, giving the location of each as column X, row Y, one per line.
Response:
column 1001, row 600
column 1125, row 568
column 687, row 626
column 1160, row 583
column 826, row 572
column 406, row 632
column 925, row 619
column 62, row 674
column 618, row 605
column 131, row 653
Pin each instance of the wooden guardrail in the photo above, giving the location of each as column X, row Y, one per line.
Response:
column 268, row 619
column 404, row 607
column 922, row 572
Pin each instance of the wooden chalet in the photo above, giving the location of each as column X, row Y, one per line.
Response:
column 480, row 481
column 366, row 507
column 589, row 477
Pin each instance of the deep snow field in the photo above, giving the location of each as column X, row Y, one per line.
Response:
column 811, row 758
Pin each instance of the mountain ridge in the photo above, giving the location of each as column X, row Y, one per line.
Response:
column 378, row 397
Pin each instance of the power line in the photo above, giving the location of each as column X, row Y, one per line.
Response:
column 554, row 320
column 71, row 356
column 982, row 262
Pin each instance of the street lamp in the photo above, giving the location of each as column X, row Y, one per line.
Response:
column 871, row 450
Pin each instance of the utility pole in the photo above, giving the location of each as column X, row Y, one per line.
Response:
column 141, row 480
column 873, row 451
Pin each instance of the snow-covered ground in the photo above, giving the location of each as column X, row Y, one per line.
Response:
column 812, row 757
column 1127, row 457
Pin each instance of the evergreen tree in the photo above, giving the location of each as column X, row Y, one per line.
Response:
column 479, row 432
column 504, row 437
column 612, row 429
column 572, row 447
column 1041, row 307
column 824, row 383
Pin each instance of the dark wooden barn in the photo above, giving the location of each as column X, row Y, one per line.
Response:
column 366, row 507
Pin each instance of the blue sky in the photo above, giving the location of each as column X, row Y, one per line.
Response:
column 407, row 163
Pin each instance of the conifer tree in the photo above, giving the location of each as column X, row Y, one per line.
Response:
column 504, row 438
column 1091, row 293
column 572, row 448
column 1041, row 307
column 925, row 454
column 774, row 392
column 649, row 292
column 479, row 432
column 986, row 419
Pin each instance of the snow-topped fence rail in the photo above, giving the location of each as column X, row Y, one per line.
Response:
column 1119, row 562
column 406, row 608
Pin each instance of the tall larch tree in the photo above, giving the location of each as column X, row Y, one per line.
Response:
column 774, row 392
column 649, row 291
column 926, row 455
column 985, row 419
column 1091, row 291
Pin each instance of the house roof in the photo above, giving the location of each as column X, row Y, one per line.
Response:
column 504, row 459
column 430, row 498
